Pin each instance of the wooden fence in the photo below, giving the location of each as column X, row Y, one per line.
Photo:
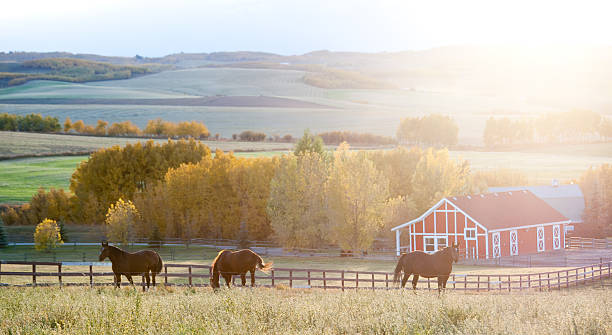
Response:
column 583, row 242
column 88, row 274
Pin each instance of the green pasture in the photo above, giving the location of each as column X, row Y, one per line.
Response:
column 21, row 178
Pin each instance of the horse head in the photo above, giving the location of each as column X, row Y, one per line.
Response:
column 455, row 252
column 104, row 251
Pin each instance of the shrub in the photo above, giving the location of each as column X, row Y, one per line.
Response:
column 47, row 235
column 120, row 220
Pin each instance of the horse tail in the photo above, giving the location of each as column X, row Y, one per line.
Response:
column 399, row 268
column 264, row 267
column 158, row 267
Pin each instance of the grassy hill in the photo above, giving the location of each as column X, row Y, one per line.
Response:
column 67, row 70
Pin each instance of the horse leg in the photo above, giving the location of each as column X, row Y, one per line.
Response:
column 405, row 279
column 243, row 278
column 153, row 277
column 118, row 280
column 129, row 278
column 444, row 282
column 415, row 280
column 440, row 283
column 252, row 278
column 148, row 280
column 228, row 279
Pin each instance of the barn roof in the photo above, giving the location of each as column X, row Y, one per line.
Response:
column 567, row 199
column 501, row 210
column 508, row 209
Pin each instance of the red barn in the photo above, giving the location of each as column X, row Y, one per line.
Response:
column 486, row 225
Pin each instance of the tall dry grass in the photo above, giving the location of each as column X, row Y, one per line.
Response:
column 278, row 311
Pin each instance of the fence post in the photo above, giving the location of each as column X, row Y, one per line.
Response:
column 488, row 283
column 478, row 285
column 166, row 274
column 308, row 278
column 373, row 281
column 324, row 281
column 342, row 279
column 90, row 275
column 190, row 281
column 428, row 285
column 0, row 272
column 509, row 284
column 356, row 279
column 272, row 278
column 387, row 280
column 34, row 274
column 59, row 274
column 290, row 278
column 454, row 283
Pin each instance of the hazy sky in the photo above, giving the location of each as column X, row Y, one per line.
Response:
column 156, row 28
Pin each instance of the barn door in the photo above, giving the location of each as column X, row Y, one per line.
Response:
column 513, row 243
column 556, row 237
column 496, row 245
column 541, row 245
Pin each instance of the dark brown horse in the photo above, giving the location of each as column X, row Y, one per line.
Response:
column 132, row 263
column 418, row 263
column 229, row 263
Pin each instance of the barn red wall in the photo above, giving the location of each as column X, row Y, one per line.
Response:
column 527, row 240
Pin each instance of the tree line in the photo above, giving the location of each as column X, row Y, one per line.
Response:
column 430, row 130
column 308, row 198
column 354, row 138
column 29, row 123
column 562, row 127
column 157, row 127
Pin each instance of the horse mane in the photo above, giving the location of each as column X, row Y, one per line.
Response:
column 214, row 262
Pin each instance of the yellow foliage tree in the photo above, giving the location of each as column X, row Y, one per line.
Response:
column 297, row 205
column 358, row 194
column 47, row 235
column 438, row 176
column 120, row 221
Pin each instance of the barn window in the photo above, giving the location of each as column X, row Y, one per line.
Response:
column 430, row 244
column 435, row 243
column 470, row 233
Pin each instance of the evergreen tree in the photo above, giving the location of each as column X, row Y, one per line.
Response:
column 309, row 143
column 63, row 231
column 3, row 237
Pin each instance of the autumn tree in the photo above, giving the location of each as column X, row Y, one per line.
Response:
column 78, row 126
column 120, row 221
column 596, row 185
column 101, row 128
column 67, row 125
column 438, row 176
column 358, row 195
column 47, row 235
column 250, row 180
column 120, row 172
column 398, row 165
column 298, row 201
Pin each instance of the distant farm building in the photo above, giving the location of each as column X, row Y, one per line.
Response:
column 486, row 226
column 567, row 199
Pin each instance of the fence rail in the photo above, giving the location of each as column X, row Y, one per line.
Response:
column 583, row 242
column 89, row 274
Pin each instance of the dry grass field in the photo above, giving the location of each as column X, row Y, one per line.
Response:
column 292, row 311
